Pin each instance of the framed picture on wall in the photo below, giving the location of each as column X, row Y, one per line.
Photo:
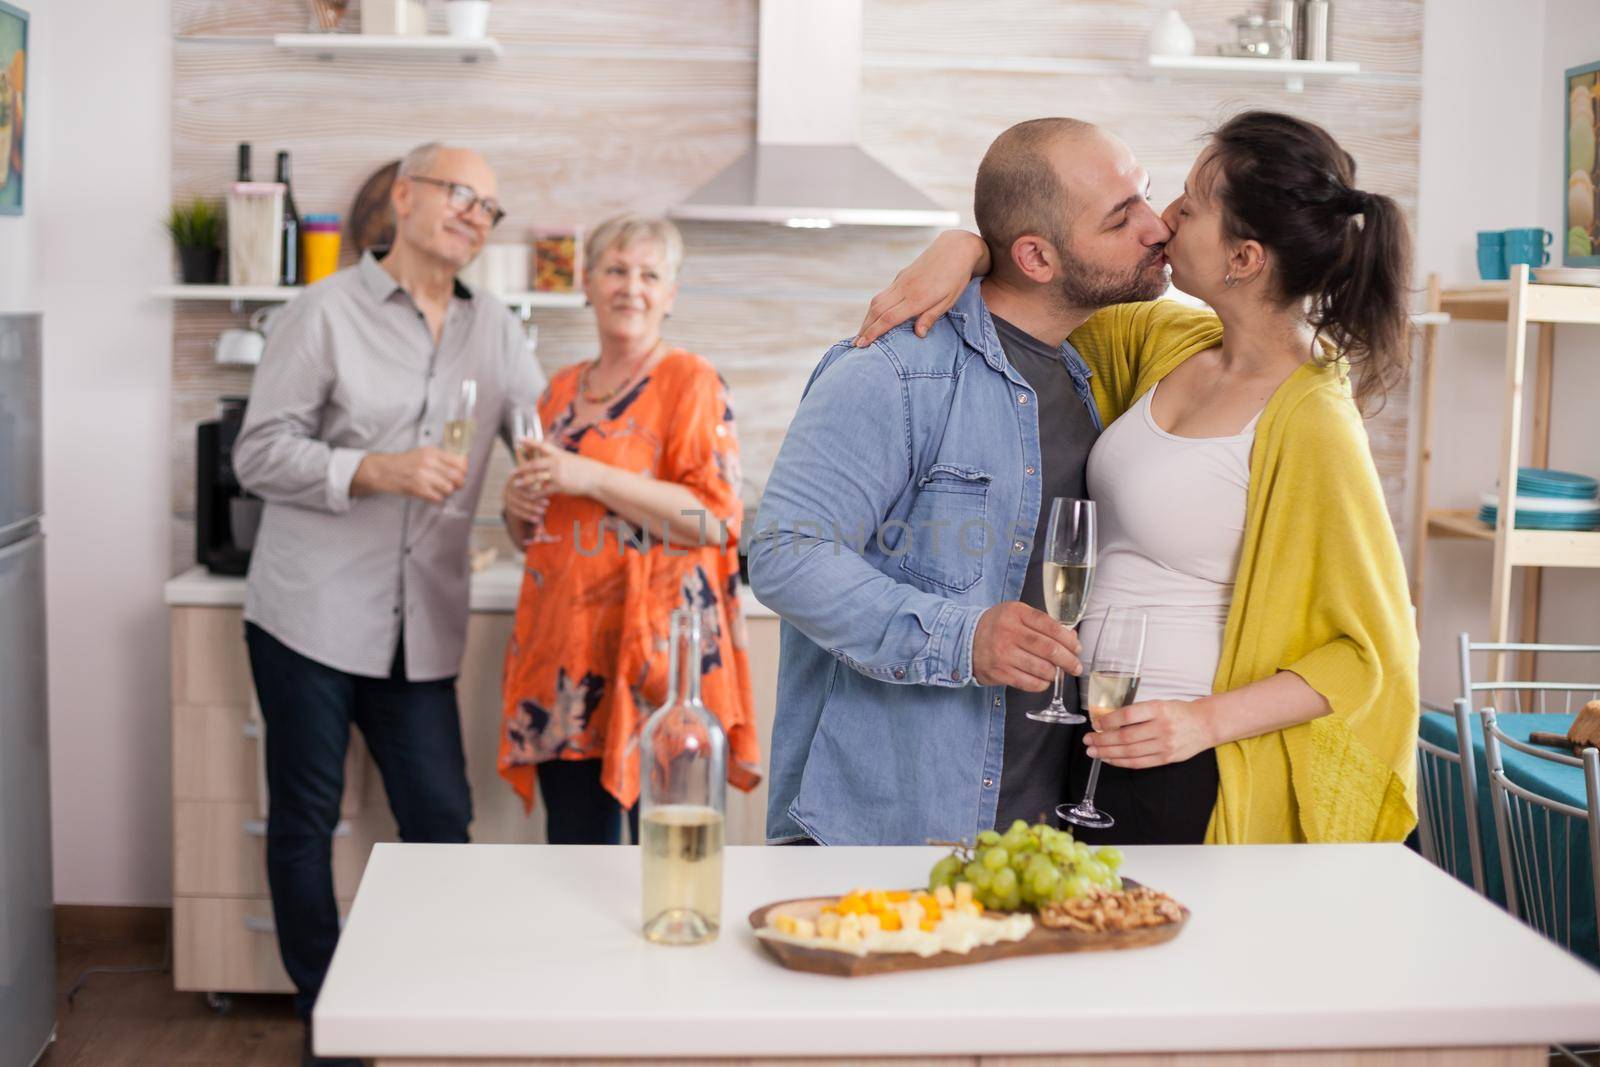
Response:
column 13, row 104
column 1581, row 243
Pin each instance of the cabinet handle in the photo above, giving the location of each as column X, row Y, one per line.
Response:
column 263, row 924
column 258, row 828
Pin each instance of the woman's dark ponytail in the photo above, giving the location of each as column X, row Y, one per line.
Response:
column 1346, row 253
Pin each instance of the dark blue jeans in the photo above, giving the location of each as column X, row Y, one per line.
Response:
column 413, row 730
column 577, row 808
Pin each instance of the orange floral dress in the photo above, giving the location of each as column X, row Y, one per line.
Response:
column 587, row 660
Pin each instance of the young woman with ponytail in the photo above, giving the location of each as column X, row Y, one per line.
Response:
column 1239, row 504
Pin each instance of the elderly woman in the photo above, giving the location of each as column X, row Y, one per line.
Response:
column 629, row 510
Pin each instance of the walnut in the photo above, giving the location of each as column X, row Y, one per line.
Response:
column 1107, row 911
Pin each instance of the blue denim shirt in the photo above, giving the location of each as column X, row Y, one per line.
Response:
column 902, row 505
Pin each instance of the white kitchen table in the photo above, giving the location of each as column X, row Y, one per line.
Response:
column 1334, row 954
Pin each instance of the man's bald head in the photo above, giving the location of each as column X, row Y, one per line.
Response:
column 1020, row 189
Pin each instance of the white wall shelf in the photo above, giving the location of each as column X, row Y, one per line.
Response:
column 1293, row 72
column 332, row 45
column 239, row 295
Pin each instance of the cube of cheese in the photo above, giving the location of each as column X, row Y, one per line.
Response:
column 828, row 925
column 944, row 896
column 804, row 928
column 963, row 894
column 785, row 924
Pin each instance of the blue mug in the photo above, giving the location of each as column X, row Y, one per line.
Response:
column 1530, row 246
column 1492, row 256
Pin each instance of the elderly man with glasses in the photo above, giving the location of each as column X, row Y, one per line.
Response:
column 356, row 609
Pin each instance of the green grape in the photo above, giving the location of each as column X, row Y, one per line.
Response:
column 1059, row 891
column 1005, row 881
column 1011, row 901
column 944, row 872
column 988, row 837
column 1077, row 886
column 1116, row 882
column 984, row 878
column 996, row 858
column 1017, row 826
column 1111, row 856
column 1043, row 882
column 1081, row 853
column 1097, row 872
column 970, row 871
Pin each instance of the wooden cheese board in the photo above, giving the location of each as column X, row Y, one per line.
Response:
column 1041, row 940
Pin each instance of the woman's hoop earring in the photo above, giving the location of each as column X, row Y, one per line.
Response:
column 1229, row 281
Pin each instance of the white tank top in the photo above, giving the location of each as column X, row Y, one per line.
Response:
column 1171, row 522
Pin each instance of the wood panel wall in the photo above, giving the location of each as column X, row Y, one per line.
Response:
column 632, row 104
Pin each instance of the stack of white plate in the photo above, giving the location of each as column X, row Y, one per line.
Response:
column 1549, row 500
column 1567, row 275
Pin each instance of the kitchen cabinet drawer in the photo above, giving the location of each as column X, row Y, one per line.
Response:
column 209, row 661
column 217, row 755
column 228, row 945
column 219, row 850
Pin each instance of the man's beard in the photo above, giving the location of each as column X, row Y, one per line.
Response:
column 1084, row 286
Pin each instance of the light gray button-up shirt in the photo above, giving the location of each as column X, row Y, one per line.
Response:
column 351, row 367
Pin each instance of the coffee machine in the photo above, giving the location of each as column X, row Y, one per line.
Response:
column 226, row 516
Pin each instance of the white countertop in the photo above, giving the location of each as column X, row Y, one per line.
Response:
column 528, row 950
column 494, row 589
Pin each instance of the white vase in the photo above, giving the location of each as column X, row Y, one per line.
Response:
column 1171, row 36
column 468, row 18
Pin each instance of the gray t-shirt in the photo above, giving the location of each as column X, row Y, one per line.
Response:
column 1033, row 774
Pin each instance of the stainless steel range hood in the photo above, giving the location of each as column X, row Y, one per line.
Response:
column 806, row 169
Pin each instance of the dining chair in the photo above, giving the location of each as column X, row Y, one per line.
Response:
column 1526, row 694
column 1527, row 822
column 1444, row 781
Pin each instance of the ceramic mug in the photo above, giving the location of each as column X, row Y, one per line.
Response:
column 1492, row 256
column 1530, row 246
column 467, row 18
column 246, row 346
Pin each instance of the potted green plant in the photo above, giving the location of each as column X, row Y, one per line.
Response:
column 196, row 229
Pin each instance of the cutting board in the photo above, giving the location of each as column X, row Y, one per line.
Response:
column 1040, row 941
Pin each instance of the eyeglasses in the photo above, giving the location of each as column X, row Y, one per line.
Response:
column 463, row 198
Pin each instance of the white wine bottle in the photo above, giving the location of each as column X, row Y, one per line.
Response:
column 683, row 759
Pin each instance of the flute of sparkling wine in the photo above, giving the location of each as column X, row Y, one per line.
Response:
column 459, row 426
column 1113, row 683
column 1069, row 554
column 1066, row 590
column 527, row 431
column 458, row 436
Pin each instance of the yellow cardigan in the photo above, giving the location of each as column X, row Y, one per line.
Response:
column 1320, row 591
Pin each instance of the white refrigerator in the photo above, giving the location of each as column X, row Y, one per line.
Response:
column 27, row 923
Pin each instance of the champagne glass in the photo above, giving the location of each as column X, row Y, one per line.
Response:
column 459, row 427
column 1113, row 681
column 1068, row 573
column 527, row 431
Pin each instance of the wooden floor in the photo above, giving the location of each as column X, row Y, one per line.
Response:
column 139, row 1020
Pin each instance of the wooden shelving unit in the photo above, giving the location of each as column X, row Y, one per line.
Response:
column 239, row 295
column 1516, row 303
column 1293, row 72
column 333, row 45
